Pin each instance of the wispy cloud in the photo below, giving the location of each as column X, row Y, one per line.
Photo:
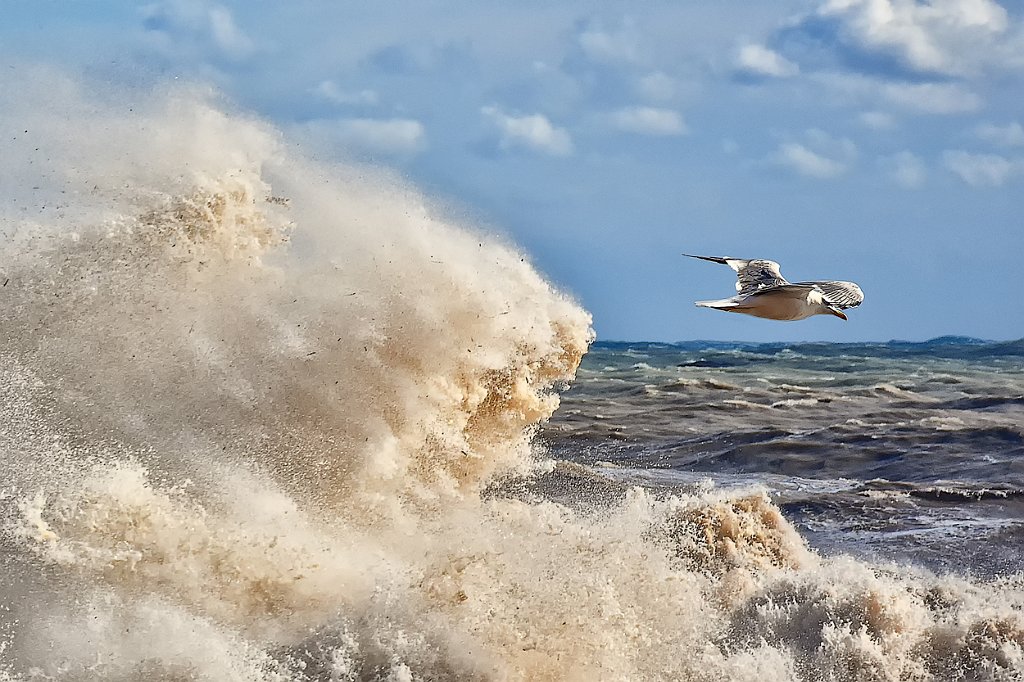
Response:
column 601, row 44
column 395, row 136
column 226, row 34
column 905, row 169
column 190, row 25
column 533, row 132
column 818, row 156
column 1009, row 135
column 981, row 170
column 330, row 91
column 932, row 98
column 877, row 120
column 943, row 98
column 757, row 60
column 648, row 121
column 657, row 85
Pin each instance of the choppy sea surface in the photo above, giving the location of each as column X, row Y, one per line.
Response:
column 911, row 452
column 266, row 418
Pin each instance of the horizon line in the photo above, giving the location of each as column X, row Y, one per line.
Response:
column 953, row 338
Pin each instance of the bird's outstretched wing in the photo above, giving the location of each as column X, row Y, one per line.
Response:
column 751, row 275
column 840, row 294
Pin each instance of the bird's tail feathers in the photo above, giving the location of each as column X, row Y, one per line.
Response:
column 720, row 304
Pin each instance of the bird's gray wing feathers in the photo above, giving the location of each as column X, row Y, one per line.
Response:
column 752, row 275
column 840, row 294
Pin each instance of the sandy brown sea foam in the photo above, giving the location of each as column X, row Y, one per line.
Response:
column 256, row 413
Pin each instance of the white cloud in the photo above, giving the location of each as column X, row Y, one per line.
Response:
column 198, row 24
column 877, row 120
column 804, row 161
column 905, row 169
column 396, row 136
column 932, row 98
column 819, row 156
column 330, row 91
column 602, row 45
column 649, row 121
column 534, row 132
column 1009, row 135
column 657, row 86
column 226, row 34
column 760, row 61
column 979, row 170
column 951, row 37
column 926, row 98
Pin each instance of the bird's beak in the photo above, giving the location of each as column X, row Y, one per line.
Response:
column 838, row 313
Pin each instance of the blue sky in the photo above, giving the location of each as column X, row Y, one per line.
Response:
column 874, row 140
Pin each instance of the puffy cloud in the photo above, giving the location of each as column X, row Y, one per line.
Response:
column 905, row 169
column 648, row 121
column 915, row 42
column 807, row 162
column 980, row 170
column 534, row 132
column 396, row 136
column 1009, row 135
column 950, row 37
column 818, row 156
column 756, row 60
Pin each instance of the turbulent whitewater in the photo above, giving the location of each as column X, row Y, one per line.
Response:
column 266, row 418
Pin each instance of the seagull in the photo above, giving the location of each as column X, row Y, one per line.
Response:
column 764, row 292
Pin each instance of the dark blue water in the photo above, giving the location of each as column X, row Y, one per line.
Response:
column 911, row 452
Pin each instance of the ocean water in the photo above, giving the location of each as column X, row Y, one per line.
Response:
column 906, row 452
column 267, row 418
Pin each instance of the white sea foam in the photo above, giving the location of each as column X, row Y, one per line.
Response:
column 250, row 410
column 945, row 423
column 795, row 402
column 735, row 402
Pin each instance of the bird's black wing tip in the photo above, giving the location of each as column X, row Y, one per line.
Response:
column 713, row 259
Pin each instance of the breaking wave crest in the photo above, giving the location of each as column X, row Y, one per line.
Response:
column 261, row 418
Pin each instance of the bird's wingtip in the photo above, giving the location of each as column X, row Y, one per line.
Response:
column 713, row 259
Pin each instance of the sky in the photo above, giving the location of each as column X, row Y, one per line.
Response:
column 878, row 141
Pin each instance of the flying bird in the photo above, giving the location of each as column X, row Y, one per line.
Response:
column 764, row 292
